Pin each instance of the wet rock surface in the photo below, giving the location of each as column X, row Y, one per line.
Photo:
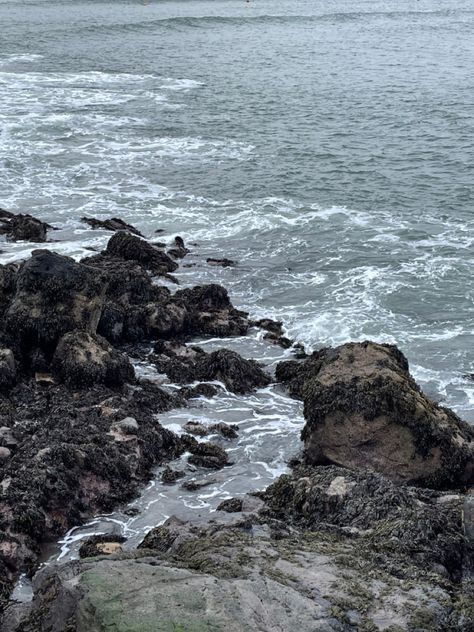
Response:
column 23, row 227
column 364, row 411
column 304, row 557
column 114, row 224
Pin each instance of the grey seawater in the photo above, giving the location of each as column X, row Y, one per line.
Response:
column 328, row 147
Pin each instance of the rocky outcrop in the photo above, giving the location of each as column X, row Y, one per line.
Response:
column 23, row 227
column 129, row 247
column 364, row 411
column 82, row 359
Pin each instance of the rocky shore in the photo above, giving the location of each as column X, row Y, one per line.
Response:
column 371, row 529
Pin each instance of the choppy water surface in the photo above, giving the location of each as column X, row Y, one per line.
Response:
column 328, row 147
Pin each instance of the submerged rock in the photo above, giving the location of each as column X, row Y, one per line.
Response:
column 178, row 249
column 113, row 224
column 207, row 455
column 82, row 359
column 363, row 410
column 223, row 263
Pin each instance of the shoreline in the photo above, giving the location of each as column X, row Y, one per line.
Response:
column 87, row 431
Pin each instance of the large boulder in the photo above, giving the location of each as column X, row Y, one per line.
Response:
column 123, row 245
column 54, row 295
column 363, row 410
column 82, row 359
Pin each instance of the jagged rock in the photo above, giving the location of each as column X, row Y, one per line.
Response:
column 178, row 250
column 210, row 311
column 231, row 505
column 23, row 227
column 7, row 368
column 131, row 248
column 113, row 224
column 238, row 375
column 208, row 455
column 363, row 410
column 107, row 544
column 155, row 320
column 170, row 476
column 54, row 295
column 196, row 428
column 83, row 359
column 6, row 438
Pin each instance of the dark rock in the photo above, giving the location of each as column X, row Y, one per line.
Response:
column 272, row 326
column 194, row 486
column 82, row 359
column 7, row 369
column 224, row 263
column 54, row 295
column 228, row 431
column 208, row 455
column 113, row 224
column 200, row 390
column 365, row 411
column 106, row 544
column 23, row 227
column 196, row 428
column 178, row 250
column 238, row 375
column 210, row 312
column 162, row 538
column 281, row 341
column 231, row 505
column 6, row 438
column 129, row 247
column 7, row 285
column 170, row 476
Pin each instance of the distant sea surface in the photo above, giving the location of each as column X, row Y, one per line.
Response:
column 328, row 147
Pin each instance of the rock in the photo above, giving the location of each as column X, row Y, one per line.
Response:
column 196, row 428
column 106, row 544
column 272, row 326
column 129, row 425
column 170, row 476
column 228, row 431
column 23, row 227
column 207, row 455
column 6, row 438
column 194, row 486
column 54, row 295
column 237, row 374
column 210, row 312
column 178, row 250
column 7, row 369
column 7, row 285
column 129, row 247
column 113, row 224
column 224, row 263
column 281, row 341
column 363, row 411
column 82, row 360
column 5, row 454
column 231, row 505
